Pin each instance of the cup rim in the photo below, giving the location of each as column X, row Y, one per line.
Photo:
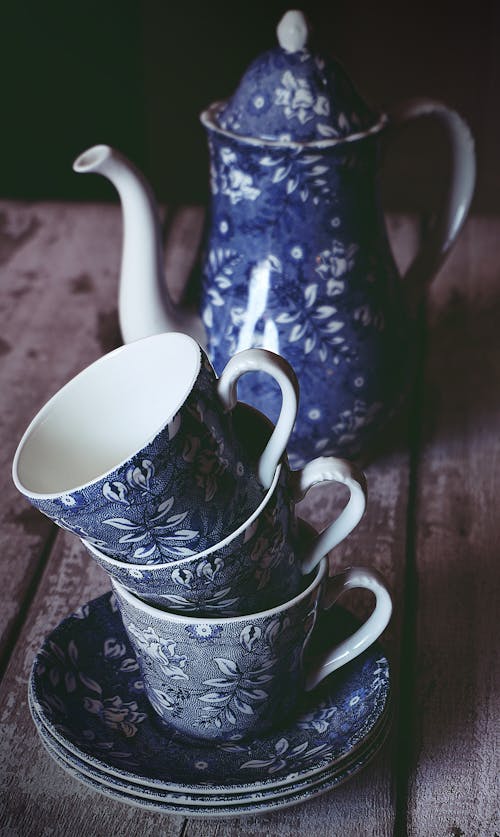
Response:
column 62, row 392
column 197, row 555
column 169, row 617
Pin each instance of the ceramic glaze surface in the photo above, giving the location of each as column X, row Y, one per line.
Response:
column 216, row 681
column 297, row 96
column 221, row 799
column 222, row 804
column 298, row 262
column 214, row 807
column 87, row 689
column 262, row 563
column 297, row 258
column 181, row 493
column 254, row 571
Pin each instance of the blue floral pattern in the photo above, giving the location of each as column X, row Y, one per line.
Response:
column 221, row 804
column 297, row 96
column 234, row 684
column 256, row 570
column 186, row 490
column 307, row 270
column 116, row 731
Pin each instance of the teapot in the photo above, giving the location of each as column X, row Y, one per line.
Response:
column 296, row 255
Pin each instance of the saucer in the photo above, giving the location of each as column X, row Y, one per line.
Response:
column 59, row 752
column 211, row 806
column 87, row 692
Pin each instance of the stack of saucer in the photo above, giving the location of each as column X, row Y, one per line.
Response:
column 88, row 703
column 197, row 686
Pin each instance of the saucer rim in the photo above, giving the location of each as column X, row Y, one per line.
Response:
column 209, row 788
column 277, row 803
column 223, row 799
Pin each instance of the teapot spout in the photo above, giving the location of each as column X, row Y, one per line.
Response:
column 144, row 305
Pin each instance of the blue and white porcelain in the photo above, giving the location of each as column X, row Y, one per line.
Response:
column 224, row 804
column 297, row 258
column 230, row 678
column 256, row 567
column 87, row 693
column 212, row 806
column 222, row 798
column 138, row 455
column 296, row 255
column 262, row 563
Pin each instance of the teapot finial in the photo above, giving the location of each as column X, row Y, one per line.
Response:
column 292, row 31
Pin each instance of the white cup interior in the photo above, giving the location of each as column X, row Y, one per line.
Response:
column 106, row 414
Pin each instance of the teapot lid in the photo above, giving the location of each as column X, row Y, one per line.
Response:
column 289, row 94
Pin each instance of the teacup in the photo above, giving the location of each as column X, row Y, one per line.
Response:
column 138, row 453
column 260, row 564
column 229, row 678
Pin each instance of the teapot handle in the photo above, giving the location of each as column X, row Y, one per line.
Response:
column 447, row 221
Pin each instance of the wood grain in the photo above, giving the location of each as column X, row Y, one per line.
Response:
column 57, row 314
column 36, row 796
column 455, row 767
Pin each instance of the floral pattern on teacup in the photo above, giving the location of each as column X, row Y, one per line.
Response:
column 251, row 572
column 183, row 493
column 235, row 683
column 70, row 668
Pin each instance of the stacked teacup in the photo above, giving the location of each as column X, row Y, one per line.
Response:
column 186, row 499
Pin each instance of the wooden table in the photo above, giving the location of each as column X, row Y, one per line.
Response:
column 432, row 527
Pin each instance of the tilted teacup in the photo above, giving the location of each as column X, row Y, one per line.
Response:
column 228, row 678
column 258, row 565
column 261, row 564
column 138, row 454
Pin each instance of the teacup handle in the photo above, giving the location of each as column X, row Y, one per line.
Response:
column 331, row 469
column 365, row 635
column 262, row 360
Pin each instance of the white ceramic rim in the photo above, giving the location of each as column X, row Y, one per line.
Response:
column 96, row 761
column 169, row 618
column 319, row 783
column 207, row 119
column 63, row 391
column 197, row 555
column 230, row 798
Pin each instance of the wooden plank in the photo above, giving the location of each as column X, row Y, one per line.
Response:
column 58, row 294
column 454, row 777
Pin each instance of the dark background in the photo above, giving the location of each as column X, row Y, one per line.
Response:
column 136, row 75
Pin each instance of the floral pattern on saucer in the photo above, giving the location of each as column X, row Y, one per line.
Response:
column 255, row 798
column 87, row 690
column 297, row 96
